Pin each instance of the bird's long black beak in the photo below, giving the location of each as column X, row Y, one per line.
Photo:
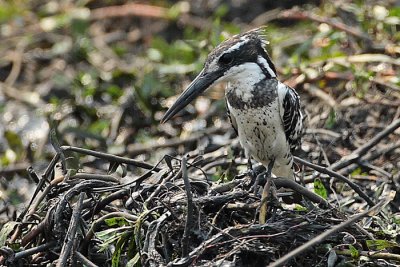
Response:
column 201, row 83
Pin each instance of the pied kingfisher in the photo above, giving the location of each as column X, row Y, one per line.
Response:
column 264, row 112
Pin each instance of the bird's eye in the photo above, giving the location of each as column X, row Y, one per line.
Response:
column 225, row 59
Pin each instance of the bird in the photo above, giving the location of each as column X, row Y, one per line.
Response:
column 264, row 112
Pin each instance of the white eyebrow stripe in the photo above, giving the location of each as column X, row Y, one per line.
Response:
column 236, row 46
column 265, row 64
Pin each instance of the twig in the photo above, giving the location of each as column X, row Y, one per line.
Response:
column 32, row 206
column 160, row 186
column 105, row 201
column 361, row 151
column 16, row 57
column 109, row 157
column 135, row 181
column 71, row 233
column 59, row 225
column 317, row 92
column 31, row 251
column 372, row 156
column 84, row 260
column 45, row 177
column 137, row 149
column 386, row 84
column 320, row 238
column 95, row 176
column 190, row 208
column 217, row 201
column 235, row 233
column 149, row 247
column 302, row 15
column 224, row 187
column 131, row 9
column 338, row 176
column 288, row 183
column 18, row 167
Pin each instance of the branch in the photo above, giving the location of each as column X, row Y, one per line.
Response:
column 362, row 150
column 288, row 183
column 31, row 251
column 131, row 9
column 338, row 176
column 303, row 15
column 71, row 233
column 109, row 157
column 320, row 238
column 84, row 260
column 190, row 209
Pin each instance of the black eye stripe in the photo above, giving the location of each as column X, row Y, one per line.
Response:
column 226, row 59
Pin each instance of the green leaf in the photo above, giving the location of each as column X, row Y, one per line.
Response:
column 354, row 252
column 134, row 261
column 380, row 244
column 14, row 141
column 394, row 11
column 10, row 10
column 300, row 208
column 320, row 189
column 358, row 171
column 331, row 121
column 117, row 253
column 119, row 221
column 5, row 231
column 115, row 91
column 99, row 126
column 109, row 236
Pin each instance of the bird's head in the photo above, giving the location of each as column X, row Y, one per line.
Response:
column 237, row 58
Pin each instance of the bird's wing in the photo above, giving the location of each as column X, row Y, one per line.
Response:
column 231, row 117
column 292, row 118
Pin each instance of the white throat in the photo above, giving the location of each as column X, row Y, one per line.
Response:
column 241, row 79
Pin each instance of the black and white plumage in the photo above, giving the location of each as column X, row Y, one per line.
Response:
column 264, row 112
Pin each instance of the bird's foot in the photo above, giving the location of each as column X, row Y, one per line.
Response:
column 260, row 179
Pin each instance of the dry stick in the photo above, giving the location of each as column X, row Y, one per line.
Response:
column 95, row 176
column 130, row 9
column 44, row 178
column 31, row 251
column 19, row 167
column 71, row 233
column 362, row 150
column 105, row 201
column 28, row 211
column 338, row 176
column 160, row 186
column 84, row 260
column 320, row 238
column 190, row 208
column 302, row 15
column 35, row 231
column 372, row 156
column 150, row 243
column 288, row 183
column 109, row 157
column 137, row 149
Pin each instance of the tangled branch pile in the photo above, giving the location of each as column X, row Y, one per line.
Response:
column 170, row 215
